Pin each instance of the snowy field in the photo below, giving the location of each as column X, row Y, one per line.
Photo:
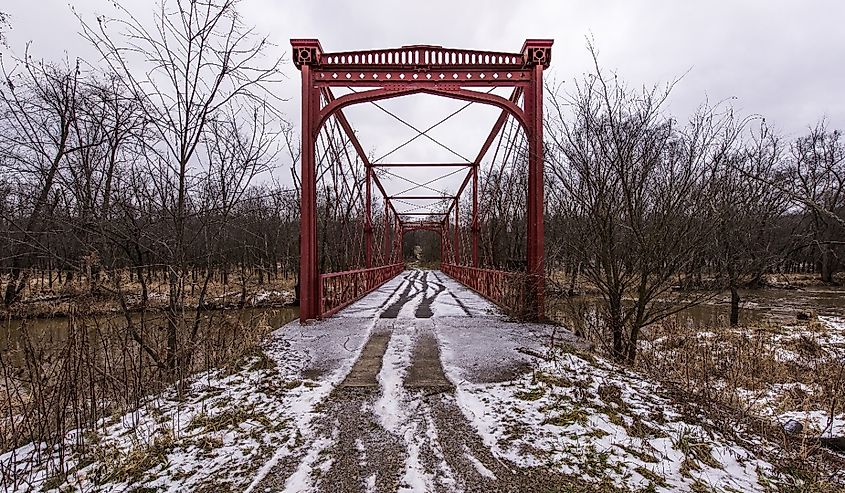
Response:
column 794, row 371
column 517, row 416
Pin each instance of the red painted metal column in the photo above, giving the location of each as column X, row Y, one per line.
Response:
column 398, row 240
column 401, row 253
column 442, row 251
column 368, row 219
column 475, row 215
column 534, row 114
column 309, row 275
column 457, row 239
column 386, row 252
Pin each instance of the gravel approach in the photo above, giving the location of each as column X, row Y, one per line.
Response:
column 393, row 423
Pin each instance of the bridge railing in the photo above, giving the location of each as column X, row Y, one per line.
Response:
column 508, row 290
column 340, row 289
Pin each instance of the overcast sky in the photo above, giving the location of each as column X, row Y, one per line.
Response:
column 779, row 59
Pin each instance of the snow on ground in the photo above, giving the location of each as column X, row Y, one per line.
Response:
column 230, row 428
column 301, row 480
column 588, row 418
column 272, row 296
column 404, row 415
column 812, row 345
column 804, row 361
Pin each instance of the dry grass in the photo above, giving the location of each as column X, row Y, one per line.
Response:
column 747, row 366
column 742, row 381
column 744, row 378
column 96, row 371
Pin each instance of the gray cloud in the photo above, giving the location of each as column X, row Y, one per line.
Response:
column 780, row 59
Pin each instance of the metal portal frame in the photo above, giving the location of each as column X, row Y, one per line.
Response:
column 376, row 75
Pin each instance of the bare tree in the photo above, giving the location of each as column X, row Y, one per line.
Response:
column 5, row 25
column 818, row 171
column 197, row 62
column 747, row 214
column 632, row 182
column 39, row 101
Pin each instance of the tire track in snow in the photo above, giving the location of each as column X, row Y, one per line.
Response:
column 285, row 459
column 397, row 306
column 405, row 414
column 453, row 295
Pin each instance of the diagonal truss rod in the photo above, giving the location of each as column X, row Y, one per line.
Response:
column 423, row 133
column 420, row 165
column 416, row 207
column 429, row 182
column 359, row 149
column 497, row 127
column 412, row 182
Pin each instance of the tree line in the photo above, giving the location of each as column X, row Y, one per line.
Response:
column 648, row 208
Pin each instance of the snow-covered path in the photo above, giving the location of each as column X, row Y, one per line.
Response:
column 394, row 422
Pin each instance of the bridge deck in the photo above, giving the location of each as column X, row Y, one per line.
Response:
column 421, row 294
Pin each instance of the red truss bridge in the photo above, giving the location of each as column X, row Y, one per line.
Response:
column 466, row 75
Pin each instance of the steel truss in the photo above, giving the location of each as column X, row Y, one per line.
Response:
column 377, row 75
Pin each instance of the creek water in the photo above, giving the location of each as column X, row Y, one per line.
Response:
column 50, row 330
column 777, row 306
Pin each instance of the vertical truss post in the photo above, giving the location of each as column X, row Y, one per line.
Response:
column 368, row 218
column 386, row 240
column 457, row 239
column 400, row 245
column 397, row 228
column 305, row 53
column 537, row 54
column 442, row 251
column 475, row 215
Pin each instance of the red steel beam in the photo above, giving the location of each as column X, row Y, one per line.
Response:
column 518, row 79
column 533, row 107
column 420, row 165
column 309, row 275
column 475, row 216
column 457, row 233
column 368, row 219
column 386, row 235
column 451, row 91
